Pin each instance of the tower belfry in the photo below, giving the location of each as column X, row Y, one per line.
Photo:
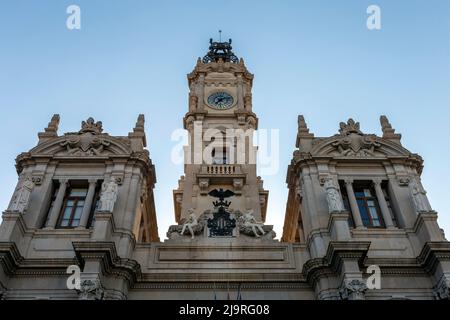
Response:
column 220, row 155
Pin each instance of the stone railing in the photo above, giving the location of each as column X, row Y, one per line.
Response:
column 221, row 169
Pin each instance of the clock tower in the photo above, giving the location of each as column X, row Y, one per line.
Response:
column 220, row 153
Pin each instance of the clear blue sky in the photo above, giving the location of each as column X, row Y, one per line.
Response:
column 315, row 58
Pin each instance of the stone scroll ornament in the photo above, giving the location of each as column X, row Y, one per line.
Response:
column 21, row 196
column 108, row 196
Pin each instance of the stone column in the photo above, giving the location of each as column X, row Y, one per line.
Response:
column 57, row 205
column 88, row 204
column 353, row 204
column 385, row 212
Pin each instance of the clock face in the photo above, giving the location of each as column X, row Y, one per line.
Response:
column 220, row 100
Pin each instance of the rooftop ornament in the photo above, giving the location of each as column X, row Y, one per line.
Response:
column 220, row 51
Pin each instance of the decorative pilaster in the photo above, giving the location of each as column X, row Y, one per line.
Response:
column 353, row 204
column 383, row 204
column 57, row 205
column 240, row 93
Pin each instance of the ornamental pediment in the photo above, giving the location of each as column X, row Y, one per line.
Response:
column 89, row 141
column 351, row 142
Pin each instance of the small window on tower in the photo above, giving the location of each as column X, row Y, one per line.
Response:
column 219, row 156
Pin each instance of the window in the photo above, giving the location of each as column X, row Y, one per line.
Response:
column 73, row 207
column 219, row 156
column 368, row 205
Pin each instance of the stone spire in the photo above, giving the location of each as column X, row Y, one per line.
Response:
column 388, row 131
column 138, row 133
column 51, row 131
column 303, row 131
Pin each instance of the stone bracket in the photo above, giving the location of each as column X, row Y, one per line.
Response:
column 337, row 252
column 106, row 254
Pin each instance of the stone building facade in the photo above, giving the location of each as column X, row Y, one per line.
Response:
column 356, row 208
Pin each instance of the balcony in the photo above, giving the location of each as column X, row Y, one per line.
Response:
column 221, row 169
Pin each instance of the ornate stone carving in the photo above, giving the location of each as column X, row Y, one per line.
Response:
column 419, row 196
column 190, row 122
column 108, row 196
column 334, row 199
column 251, row 122
column 249, row 226
column 91, row 289
column 442, row 289
column 37, row 179
column 237, row 185
column 196, row 227
column 353, row 290
column 87, row 142
column 21, row 196
column 353, row 142
column 203, row 184
column 403, row 181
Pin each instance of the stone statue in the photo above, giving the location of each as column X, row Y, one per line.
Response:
column 334, row 199
column 22, row 196
column 419, row 196
column 108, row 196
column 249, row 221
column 190, row 222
